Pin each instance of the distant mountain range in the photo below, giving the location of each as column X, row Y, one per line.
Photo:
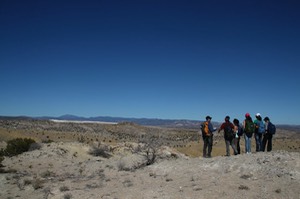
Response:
column 171, row 123
column 140, row 121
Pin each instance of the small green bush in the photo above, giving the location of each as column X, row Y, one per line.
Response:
column 17, row 146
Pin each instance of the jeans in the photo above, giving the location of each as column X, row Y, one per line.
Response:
column 267, row 139
column 230, row 142
column 258, row 140
column 247, row 144
column 207, row 146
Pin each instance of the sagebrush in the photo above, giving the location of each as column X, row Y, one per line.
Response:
column 17, row 146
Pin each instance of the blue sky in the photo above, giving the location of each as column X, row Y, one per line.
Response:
column 151, row 59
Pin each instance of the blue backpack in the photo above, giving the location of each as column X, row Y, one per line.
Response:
column 271, row 128
column 240, row 131
column 261, row 127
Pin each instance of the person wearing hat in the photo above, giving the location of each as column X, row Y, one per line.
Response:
column 259, row 131
column 249, row 129
column 207, row 136
column 229, row 135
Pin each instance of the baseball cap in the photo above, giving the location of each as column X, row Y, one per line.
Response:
column 247, row 115
column 208, row 117
column 257, row 114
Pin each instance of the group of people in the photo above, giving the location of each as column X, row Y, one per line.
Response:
column 262, row 129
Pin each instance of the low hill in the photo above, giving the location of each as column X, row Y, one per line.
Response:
column 68, row 170
column 68, row 163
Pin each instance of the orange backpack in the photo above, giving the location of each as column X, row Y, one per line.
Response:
column 205, row 130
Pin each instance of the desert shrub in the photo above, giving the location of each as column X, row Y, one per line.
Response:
column 243, row 187
column 68, row 196
column 81, row 139
column 47, row 174
column 37, row 183
column 121, row 165
column 17, row 146
column 278, row 190
column 101, row 151
column 150, row 148
column 64, row 188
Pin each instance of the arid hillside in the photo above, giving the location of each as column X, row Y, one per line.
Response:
column 187, row 141
column 114, row 161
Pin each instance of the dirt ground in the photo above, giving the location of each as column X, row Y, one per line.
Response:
column 66, row 169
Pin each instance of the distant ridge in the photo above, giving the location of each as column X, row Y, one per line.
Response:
column 141, row 121
column 170, row 123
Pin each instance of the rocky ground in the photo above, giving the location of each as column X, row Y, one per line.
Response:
column 109, row 161
column 68, row 170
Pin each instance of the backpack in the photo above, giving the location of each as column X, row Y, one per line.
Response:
column 204, row 128
column 271, row 128
column 240, row 131
column 249, row 128
column 228, row 132
column 261, row 127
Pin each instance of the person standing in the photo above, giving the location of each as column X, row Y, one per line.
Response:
column 207, row 135
column 259, row 131
column 249, row 128
column 268, row 136
column 238, row 133
column 229, row 135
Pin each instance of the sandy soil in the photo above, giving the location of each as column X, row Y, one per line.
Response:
column 67, row 170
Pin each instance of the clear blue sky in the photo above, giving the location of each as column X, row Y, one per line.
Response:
column 151, row 58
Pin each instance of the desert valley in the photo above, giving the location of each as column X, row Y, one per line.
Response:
column 127, row 160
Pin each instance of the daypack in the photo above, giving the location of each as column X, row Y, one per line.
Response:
column 240, row 131
column 271, row 128
column 261, row 127
column 228, row 132
column 205, row 129
column 249, row 127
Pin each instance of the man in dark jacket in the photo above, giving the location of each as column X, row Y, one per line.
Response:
column 228, row 129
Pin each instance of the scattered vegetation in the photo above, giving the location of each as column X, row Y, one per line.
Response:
column 121, row 165
column 243, row 187
column 64, row 188
column 246, row 176
column 47, row 141
column 68, row 196
column 150, row 148
column 47, row 174
column 37, row 183
column 101, row 151
column 278, row 190
column 17, row 146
